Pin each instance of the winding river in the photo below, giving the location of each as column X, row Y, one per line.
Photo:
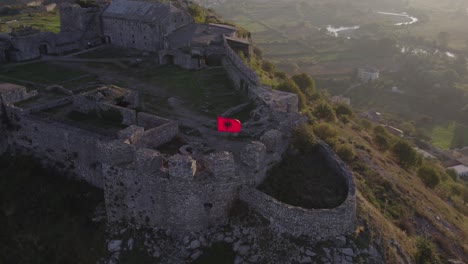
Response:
column 334, row 31
column 413, row 19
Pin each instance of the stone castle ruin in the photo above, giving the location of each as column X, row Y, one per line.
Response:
column 102, row 136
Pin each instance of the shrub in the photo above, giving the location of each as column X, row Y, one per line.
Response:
column 405, row 154
column 326, row 132
column 343, row 110
column 452, row 173
column 382, row 142
column 268, row 66
column 426, row 252
column 346, row 152
column 324, row 111
column 429, row 176
column 305, row 83
column 366, row 124
column 291, row 87
column 281, row 75
column 197, row 13
column 304, row 139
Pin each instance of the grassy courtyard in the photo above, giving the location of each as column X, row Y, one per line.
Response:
column 208, row 91
column 44, row 74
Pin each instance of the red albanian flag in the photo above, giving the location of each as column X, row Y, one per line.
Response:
column 229, row 125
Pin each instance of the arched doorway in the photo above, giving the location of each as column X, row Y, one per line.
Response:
column 43, row 49
column 168, row 59
column 107, row 40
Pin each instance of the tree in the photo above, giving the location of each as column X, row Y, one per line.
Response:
column 305, row 83
column 405, row 154
column 429, row 176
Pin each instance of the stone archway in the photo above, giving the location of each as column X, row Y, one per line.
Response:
column 43, row 49
column 168, row 59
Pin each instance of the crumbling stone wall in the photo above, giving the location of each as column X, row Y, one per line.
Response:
column 157, row 136
column 247, row 81
column 150, row 190
column 319, row 224
column 68, row 148
column 11, row 93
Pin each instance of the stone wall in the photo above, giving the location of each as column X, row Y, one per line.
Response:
column 150, row 193
column 157, row 136
column 67, row 148
column 150, row 121
column 11, row 93
column 132, row 34
column 247, row 81
column 320, row 224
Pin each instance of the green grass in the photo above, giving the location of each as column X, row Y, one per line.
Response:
column 448, row 135
column 208, row 91
column 43, row 73
column 47, row 22
column 45, row 217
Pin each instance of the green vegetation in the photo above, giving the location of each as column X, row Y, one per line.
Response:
column 324, row 111
column 447, row 135
column 197, row 12
column 426, row 252
column 45, row 74
column 208, row 91
column 405, row 154
column 47, row 22
column 45, row 217
column 346, row 152
column 291, row 87
column 429, row 176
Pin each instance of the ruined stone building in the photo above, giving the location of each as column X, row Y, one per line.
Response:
column 142, row 185
column 160, row 28
column 141, row 25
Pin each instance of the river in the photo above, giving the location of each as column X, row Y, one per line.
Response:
column 334, row 31
column 413, row 19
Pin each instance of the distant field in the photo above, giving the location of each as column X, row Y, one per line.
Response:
column 448, row 135
column 276, row 25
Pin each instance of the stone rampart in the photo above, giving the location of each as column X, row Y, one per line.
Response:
column 319, row 224
column 157, row 136
column 150, row 121
column 237, row 62
column 169, row 192
column 48, row 105
column 247, row 81
column 68, row 148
